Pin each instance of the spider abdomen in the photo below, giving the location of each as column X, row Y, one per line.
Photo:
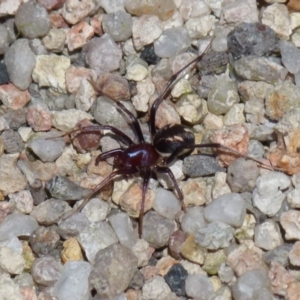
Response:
column 171, row 137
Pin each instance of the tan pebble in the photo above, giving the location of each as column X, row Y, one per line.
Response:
column 71, row 251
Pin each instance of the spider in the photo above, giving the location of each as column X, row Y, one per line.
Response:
column 143, row 158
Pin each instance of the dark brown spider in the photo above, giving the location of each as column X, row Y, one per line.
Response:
column 144, row 158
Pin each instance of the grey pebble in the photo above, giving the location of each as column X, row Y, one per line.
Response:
column 20, row 62
column 12, row 141
column 4, row 39
column 279, row 254
column 61, row 187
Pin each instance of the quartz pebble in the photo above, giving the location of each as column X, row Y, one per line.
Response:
column 193, row 220
column 199, row 285
column 113, row 270
column 10, row 261
column 155, row 288
column 73, row 281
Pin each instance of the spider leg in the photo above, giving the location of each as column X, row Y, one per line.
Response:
column 165, row 169
column 108, row 154
column 165, row 91
column 146, row 178
column 135, row 123
column 180, row 149
column 100, row 186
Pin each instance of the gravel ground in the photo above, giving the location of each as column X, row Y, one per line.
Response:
column 64, row 64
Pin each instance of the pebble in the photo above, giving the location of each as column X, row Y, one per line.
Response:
column 96, row 210
column 4, row 44
column 199, row 286
column 279, row 254
column 175, row 278
column 95, row 237
column 48, row 150
column 256, row 68
column 38, row 117
column 200, row 27
column 214, row 236
column 74, row 11
column 32, row 20
column 12, row 141
column 15, row 118
column 176, row 241
column 253, row 285
column 222, row 96
column 149, row 56
column 193, row 220
column 225, row 273
column 294, row 255
column 242, row 175
column 44, row 240
column 22, row 201
column 50, row 211
column 136, row 69
column 270, row 192
column 11, row 178
column 122, row 226
column 9, row 288
column 113, row 270
column 156, row 288
column 157, row 229
column 166, row 204
column 290, row 222
column 55, row 40
column 12, row 97
column 171, row 42
column 102, row 54
column 229, row 209
column 20, row 70
column 241, row 42
column 46, row 270
column 267, row 235
column 193, row 9
column 253, row 90
column 277, row 17
column 162, row 10
column 290, row 56
column 50, row 70
column 71, row 250
column 11, row 262
column 73, row 281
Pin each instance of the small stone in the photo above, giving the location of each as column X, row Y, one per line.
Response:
column 280, row 278
column 51, row 4
column 200, row 165
column 175, row 278
column 251, row 39
column 290, row 222
column 241, row 11
column 267, row 235
column 249, row 253
column 253, row 90
column 166, row 204
column 199, row 286
column 32, row 20
column 281, row 99
column 102, row 54
column 19, row 68
column 155, row 288
column 145, row 30
column 44, row 240
column 136, row 69
column 149, row 56
column 229, row 209
column 253, row 285
column 96, row 210
column 193, row 251
column 157, row 229
column 113, row 270
column 270, row 192
column 12, row 141
column 11, row 262
column 290, row 56
column 176, row 241
column 293, row 291
column 71, row 250
column 200, row 27
column 50, row 70
column 225, row 273
column 259, row 69
column 9, row 288
column 75, row 11
column 22, row 201
column 118, row 25
column 50, row 211
column 39, row 117
column 277, row 17
column 4, row 40
column 95, row 237
column 54, row 41
column 193, row 220
column 214, row 236
column 122, row 226
column 143, row 252
column 11, row 178
column 12, row 97
column 279, row 254
column 194, row 9
column 171, row 42
column 162, row 10
column 79, row 35
column 242, row 175
column 235, row 115
column 213, row 261
column 46, row 270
